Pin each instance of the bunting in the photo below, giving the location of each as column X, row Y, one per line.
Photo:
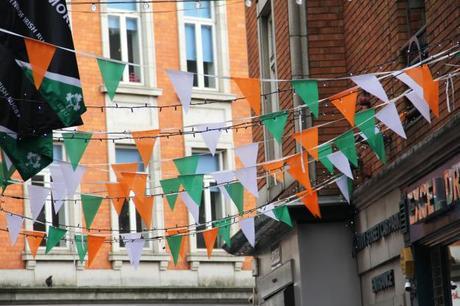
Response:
column 134, row 245
column 236, row 192
column 187, row 165
column 250, row 88
column 170, row 189
column 309, row 140
column 298, row 169
column 112, row 73
column 55, row 234
column 224, row 230
column 268, row 211
column 210, row 237
column 346, row 144
column 307, row 90
column 248, row 229
column 192, row 206
column 37, row 197
column 81, row 244
column 118, row 195
column 345, row 102
column 14, row 223
column 174, row 243
column 193, row 185
column 75, row 145
column 40, row 56
column 282, row 214
column 323, row 151
column 94, row 245
column 275, row 124
column 310, row 200
column 248, row 154
column 143, row 203
column 182, row 82
column 34, row 240
column 371, row 84
column 211, row 133
column 340, row 161
column 389, row 116
column 343, row 184
column 275, row 168
column 248, row 178
column 145, row 141
column 90, row 205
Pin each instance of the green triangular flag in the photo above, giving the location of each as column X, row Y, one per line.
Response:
column 171, row 186
column 193, row 184
column 224, row 230
column 75, row 145
column 174, row 243
column 323, row 151
column 111, row 72
column 282, row 214
column 365, row 121
column 236, row 193
column 55, row 234
column 346, row 144
column 378, row 146
column 308, row 92
column 81, row 244
column 90, row 205
column 187, row 165
column 6, row 171
column 275, row 123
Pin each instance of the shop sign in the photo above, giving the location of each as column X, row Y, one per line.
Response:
column 377, row 232
column 383, row 281
column 434, row 196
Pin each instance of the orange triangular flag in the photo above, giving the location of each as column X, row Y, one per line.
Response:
column 345, row 102
column 416, row 74
column 275, row 168
column 117, row 193
column 94, row 244
column 40, row 56
column 124, row 167
column 422, row 75
column 250, row 88
column 310, row 200
column 127, row 181
column 145, row 140
column 34, row 239
column 296, row 170
column 309, row 140
column 210, row 237
column 143, row 203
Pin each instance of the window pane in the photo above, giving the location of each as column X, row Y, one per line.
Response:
column 126, row 5
column 202, row 219
column 190, row 46
column 114, row 37
column 217, row 207
column 132, row 35
column 191, row 10
column 208, row 163
column 39, row 180
column 57, row 152
column 128, row 155
column 208, row 56
column 123, row 221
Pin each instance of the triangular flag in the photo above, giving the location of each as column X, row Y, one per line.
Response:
column 6, row 171
column 307, row 90
column 123, row 167
column 143, row 203
column 118, row 194
column 14, row 223
column 345, row 102
column 411, row 77
column 174, row 243
column 182, row 82
column 390, row 117
column 275, row 124
column 365, row 121
column 134, row 245
column 193, row 184
column 323, row 151
column 211, row 133
column 282, row 214
column 192, row 207
column 268, row 211
column 236, row 193
column 224, row 230
column 34, row 239
column 170, row 189
column 127, row 181
column 310, row 200
column 248, row 154
column 111, row 72
column 250, row 88
column 309, row 140
column 72, row 178
column 342, row 183
column 420, row 105
column 90, row 205
column 248, row 229
column 298, row 169
column 209, row 237
column 248, row 177
column 340, row 161
column 145, row 141
column 378, row 146
column 275, row 168
column 55, row 234
column 223, row 178
column 187, row 165
column 94, row 245
column 75, row 145
column 346, row 144
column 371, row 84
column 81, row 244
column 40, row 56
column 37, row 198
column 58, row 187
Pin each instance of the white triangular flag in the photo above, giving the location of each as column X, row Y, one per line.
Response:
column 37, row 198
column 182, row 82
column 410, row 82
column 248, row 178
column 390, row 117
column 134, row 245
column 420, row 105
column 248, row 154
column 247, row 227
column 222, row 178
column 340, row 161
column 268, row 211
column 14, row 227
column 342, row 183
column 192, row 207
column 211, row 133
column 72, row 177
column 58, row 187
column 371, row 84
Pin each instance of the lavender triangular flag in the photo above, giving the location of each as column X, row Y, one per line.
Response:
column 268, row 211
column 37, row 198
column 248, row 178
column 72, row 178
column 420, row 105
column 192, row 207
column 134, row 245
column 182, row 82
column 390, row 117
column 58, row 187
column 342, row 183
column 340, row 161
column 371, row 84
column 14, row 227
column 248, row 154
column 247, row 227
column 211, row 133
column 222, row 178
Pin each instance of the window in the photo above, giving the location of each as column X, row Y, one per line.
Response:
column 48, row 215
column 212, row 202
column 124, row 39
column 199, row 28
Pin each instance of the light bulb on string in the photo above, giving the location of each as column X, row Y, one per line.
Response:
column 93, row 7
column 248, row 3
column 146, row 5
column 299, row 2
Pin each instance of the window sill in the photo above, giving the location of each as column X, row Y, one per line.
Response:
column 117, row 259
column 138, row 90
column 218, row 256
column 198, row 94
column 56, row 255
